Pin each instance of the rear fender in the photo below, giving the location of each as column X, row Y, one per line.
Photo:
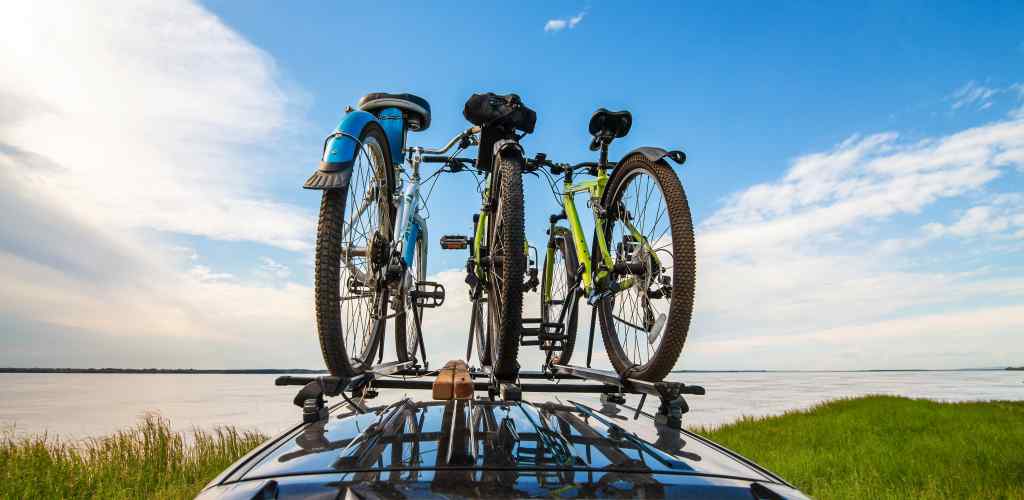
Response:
column 654, row 154
column 340, row 149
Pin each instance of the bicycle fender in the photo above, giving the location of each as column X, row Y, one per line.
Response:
column 655, row 154
column 340, row 151
column 502, row 145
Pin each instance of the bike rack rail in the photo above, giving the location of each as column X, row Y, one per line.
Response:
column 608, row 384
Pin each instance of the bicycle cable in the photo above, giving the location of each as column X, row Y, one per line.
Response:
column 553, row 183
column 435, row 176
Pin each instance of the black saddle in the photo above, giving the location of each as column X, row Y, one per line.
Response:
column 416, row 108
column 607, row 125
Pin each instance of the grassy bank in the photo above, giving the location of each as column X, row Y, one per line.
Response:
column 875, row 447
column 147, row 461
column 889, row 447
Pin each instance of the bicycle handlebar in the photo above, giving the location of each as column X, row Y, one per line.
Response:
column 454, row 163
column 540, row 160
column 437, row 151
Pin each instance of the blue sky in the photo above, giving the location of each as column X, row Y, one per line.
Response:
column 855, row 171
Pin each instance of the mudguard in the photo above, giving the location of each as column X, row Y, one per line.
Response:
column 508, row 144
column 340, row 149
column 655, row 154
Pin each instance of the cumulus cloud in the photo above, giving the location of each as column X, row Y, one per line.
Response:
column 117, row 132
column 788, row 263
column 561, row 24
column 147, row 114
column 1002, row 218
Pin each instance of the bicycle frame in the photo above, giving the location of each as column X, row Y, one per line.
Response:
column 594, row 285
column 410, row 223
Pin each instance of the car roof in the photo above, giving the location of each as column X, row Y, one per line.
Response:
column 405, row 438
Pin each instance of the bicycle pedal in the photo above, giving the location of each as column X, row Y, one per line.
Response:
column 528, row 332
column 455, row 242
column 545, row 336
column 552, row 327
column 427, row 294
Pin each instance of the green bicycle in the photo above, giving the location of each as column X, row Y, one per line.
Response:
column 640, row 273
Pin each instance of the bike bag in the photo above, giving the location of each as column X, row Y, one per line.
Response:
column 503, row 110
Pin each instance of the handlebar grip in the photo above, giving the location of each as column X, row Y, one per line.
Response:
column 435, row 159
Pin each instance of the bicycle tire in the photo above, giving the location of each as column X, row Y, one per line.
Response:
column 328, row 274
column 481, row 328
column 562, row 269
column 683, row 279
column 506, row 250
column 406, row 338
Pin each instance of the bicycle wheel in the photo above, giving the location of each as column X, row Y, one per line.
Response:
column 481, row 330
column 355, row 224
column 645, row 326
column 555, row 284
column 506, row 265
column 407, row 336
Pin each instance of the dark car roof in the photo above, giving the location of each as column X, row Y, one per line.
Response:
column 519, row 448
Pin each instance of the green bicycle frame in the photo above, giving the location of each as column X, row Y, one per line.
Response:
column 592, row 283
column 481, row 228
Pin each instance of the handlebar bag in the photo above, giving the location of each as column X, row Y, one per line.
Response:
column 506, row 110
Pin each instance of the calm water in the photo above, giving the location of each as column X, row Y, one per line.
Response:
column 81, row 405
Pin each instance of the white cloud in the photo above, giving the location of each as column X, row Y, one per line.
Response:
column 574, row 20
column 798, row 259
column 153, row 115
column 973, row 93
column 1018, row 112
column 1002, row 218
column 115, row 130
column 861, row 180
column 272, row 268
column 555, row 25
column 561, row 24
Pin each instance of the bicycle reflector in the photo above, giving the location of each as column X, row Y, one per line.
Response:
column 454, row 242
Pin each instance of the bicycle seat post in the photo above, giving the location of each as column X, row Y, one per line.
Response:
column 602, row 162
column 417, row 158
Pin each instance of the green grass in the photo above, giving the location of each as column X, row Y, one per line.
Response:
column 874, row 447
column 147, row 461
column 890, row 447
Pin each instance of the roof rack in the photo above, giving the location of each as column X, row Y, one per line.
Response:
column 609, row 384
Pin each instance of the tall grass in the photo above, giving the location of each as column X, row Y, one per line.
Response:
column 146, row 461
column 890, row 447
column 874, row 447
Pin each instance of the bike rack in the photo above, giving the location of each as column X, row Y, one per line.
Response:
column 609, row 384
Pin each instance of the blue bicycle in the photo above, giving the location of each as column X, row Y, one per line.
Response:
column 371, row 253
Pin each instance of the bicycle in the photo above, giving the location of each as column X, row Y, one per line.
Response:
column 637, row 268
column 498, row 259
column 377, row 254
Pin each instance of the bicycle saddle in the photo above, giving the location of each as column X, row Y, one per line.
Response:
column 607, row 125
column 417, row 109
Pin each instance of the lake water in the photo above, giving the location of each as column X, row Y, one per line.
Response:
column 82, row 405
